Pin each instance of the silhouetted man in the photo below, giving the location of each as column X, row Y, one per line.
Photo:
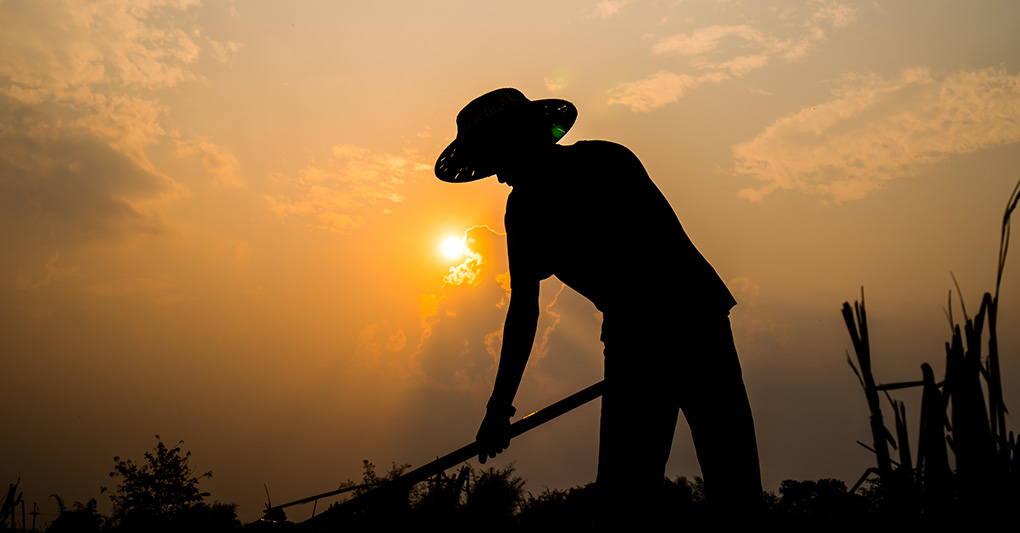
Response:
column 589, row 214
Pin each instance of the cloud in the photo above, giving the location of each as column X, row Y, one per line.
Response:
column 129, row 124
column 462, row 322
column 753, row 331
column 542, row 347
column 874, row 130
column 705, row 40
column 337, row 194
column 100, row 62
column 608, row 8
column 382, row 348
column 79, row 112
column 739, row 66
column 652, row 92
column 552, row 85
column 51, row 272
column 224, row 52
column 63, row 50
column 744, row 291
column 220, row 164
column 835, row 14
column 93, row 69
column 63, row 183
column 720, row 52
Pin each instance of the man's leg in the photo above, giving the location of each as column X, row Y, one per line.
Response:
column 714, row 401
column 639, row 414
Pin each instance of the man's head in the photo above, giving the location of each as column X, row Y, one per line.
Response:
column 500, row 128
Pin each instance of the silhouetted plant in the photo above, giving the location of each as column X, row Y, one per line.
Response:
column 437, row 501
column 987, row 476
column 12, row 499
column 162, row 494
column 79, row 518
column 495, row 495
column 558, row 510
column 491, row 497
column 825, row 501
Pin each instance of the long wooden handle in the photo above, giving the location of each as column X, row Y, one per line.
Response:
column 459, row 455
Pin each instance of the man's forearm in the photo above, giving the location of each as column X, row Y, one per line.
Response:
column 518, row 337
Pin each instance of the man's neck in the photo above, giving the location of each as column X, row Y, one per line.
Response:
column 525, row 168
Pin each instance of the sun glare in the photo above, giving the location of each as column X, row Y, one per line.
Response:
column 453, row 247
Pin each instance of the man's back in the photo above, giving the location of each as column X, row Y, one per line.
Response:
column 595, row 220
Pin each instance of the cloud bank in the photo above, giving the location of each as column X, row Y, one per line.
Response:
column 79, row 110
column 874, row 130
column 335, row 195
column 69, row 185
column 718, row 53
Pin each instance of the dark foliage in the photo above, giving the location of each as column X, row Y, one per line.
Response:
column 558, row 510
column 162, row 494
column 79, row 518
column 825, row 501
column 493, row 499
column 494, row 496
column 10, row 501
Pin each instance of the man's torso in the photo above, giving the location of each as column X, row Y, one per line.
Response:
column 594, row 219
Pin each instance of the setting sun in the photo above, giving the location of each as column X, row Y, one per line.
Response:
column 453, row 247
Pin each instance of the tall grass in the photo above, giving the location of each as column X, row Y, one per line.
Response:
column 957, row 419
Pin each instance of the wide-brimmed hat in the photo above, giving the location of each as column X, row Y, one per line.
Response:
column 457, row 165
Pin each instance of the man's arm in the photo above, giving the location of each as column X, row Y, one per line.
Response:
column 518, row 337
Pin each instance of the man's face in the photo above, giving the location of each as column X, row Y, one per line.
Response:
column 507, row 142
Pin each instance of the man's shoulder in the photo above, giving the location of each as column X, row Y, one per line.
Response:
column 604, row 161
column 606, row 148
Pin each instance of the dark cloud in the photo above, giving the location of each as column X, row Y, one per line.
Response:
column 67, row 185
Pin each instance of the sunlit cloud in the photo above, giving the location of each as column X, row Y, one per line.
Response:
column 720, row 52
column 221, row 165
column 834, row 13
column 129, row 124
column 875, row 129
column 462, row 322
column 224, row 52
column 336, row 194
column 469, row 270
column 608, row 8
column 739, row 66
column 705, row 40
column 552, row 85
column 64, row 50
column 652, row 92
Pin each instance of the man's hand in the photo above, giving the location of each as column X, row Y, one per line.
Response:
column 494, row 434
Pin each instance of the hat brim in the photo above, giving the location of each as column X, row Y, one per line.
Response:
column 455, row 164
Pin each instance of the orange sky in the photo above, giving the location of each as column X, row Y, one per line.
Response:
column 220, row 224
